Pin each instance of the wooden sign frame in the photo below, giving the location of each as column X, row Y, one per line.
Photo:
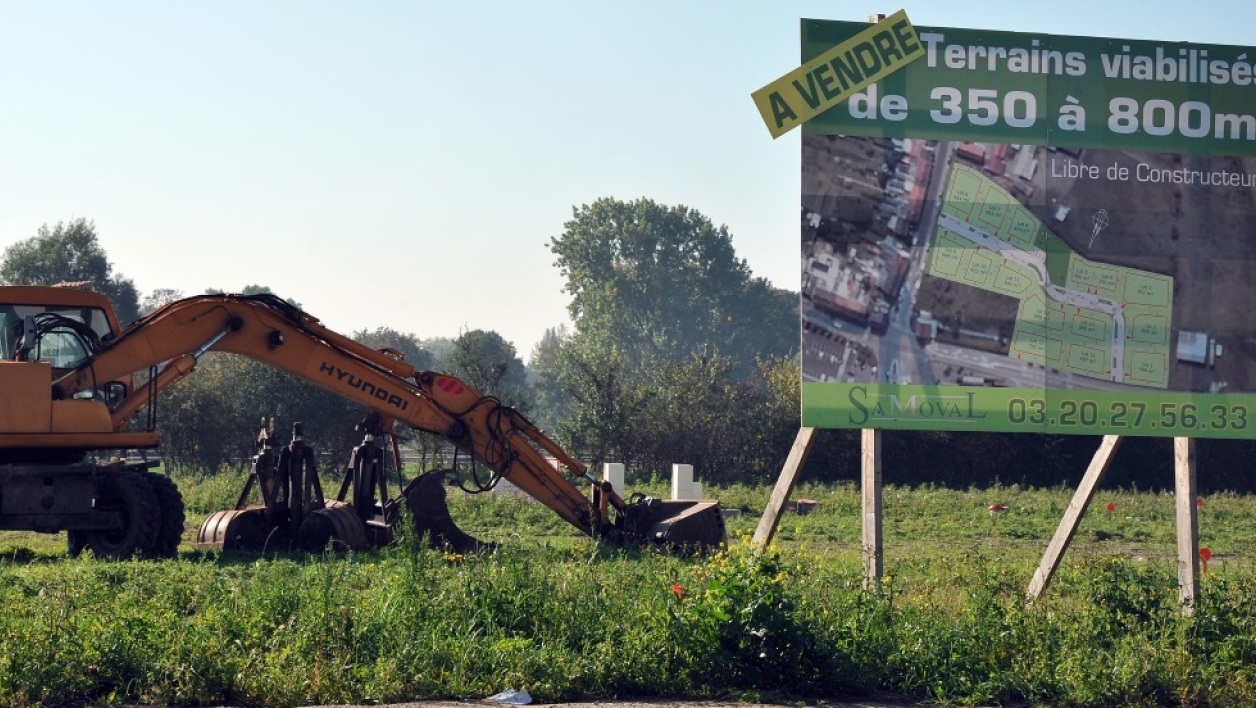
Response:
column 872, row 542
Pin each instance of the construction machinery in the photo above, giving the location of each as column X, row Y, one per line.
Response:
column 74, row 385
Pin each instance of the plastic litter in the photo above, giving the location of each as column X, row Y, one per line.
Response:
column 510, row 698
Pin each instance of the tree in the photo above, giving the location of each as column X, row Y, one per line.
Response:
column 604, row 402
column 158, row 299
column 69, row 253
column 663, row 284
column 671, row 328
column 442, row 350
column 253, row 290
column 730, row 428
column 407, row 344
column 761, row 324
column 488, row 363
column 780, row 417
column 202, row 430
column 545, row 368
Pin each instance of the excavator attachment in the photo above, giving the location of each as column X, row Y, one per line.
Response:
column 247, row 529
column 335, row 526
column 429, row 514
column 293, row 514
column 338, row 526
column 697, row 526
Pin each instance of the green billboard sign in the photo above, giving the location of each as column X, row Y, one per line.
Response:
column 1020, row 232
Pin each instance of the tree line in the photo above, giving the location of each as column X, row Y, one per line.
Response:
column 676, row 353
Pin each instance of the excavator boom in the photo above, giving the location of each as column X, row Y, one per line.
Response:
column 270, row 330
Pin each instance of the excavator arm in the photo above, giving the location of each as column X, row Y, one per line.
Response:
column 272, row 331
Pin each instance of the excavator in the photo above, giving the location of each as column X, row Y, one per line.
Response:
column 76, row 386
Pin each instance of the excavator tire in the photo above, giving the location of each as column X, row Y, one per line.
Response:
column 130, row 494
column 247, row 529
column 335, row 526
column 425, row 498
column 170, row 501
column 75, row 542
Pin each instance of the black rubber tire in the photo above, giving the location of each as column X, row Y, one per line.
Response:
column 75, row 541
column 170, row 533
column 131, row 494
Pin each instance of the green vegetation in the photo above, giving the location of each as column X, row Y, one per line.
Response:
column 565, row 618
column 69, row 253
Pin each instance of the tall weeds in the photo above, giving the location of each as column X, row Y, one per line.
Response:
column 566, row 618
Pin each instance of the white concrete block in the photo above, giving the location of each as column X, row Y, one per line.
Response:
column 682, row 481
column 613, row 472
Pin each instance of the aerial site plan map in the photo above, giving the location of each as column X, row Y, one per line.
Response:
column 1099, row 320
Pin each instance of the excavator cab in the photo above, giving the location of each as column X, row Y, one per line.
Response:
column 46, row 332
column 64, row 331
column 62, row 327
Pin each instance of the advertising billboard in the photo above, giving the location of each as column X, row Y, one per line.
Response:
column 1027, row 233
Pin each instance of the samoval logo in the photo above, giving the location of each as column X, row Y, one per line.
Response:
column 959, row 408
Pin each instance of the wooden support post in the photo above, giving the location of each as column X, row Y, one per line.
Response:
column 784, row 486
column 870, row 493
column 1187, row 523
column 1072, row 516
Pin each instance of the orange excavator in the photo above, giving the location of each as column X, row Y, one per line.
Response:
column 73, row 383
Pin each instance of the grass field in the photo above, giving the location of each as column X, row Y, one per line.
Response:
column 564, row 618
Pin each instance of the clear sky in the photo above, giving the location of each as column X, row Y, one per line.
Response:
column 406, row 163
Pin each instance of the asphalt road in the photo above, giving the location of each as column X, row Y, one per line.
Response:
column 659, row 703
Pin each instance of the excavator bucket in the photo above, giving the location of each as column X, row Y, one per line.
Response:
column 336, row 526
column 247, row 529
column 685, row 525
column 425, row 498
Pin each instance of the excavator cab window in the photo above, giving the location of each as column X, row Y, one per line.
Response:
column 64, row 335
column 10, row 332
column 62, row 348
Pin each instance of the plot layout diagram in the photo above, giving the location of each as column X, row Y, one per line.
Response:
column 1094, row 319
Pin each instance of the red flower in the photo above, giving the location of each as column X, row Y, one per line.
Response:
column 678, row 590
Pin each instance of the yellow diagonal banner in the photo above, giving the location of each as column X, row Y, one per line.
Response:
column 833, row 76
